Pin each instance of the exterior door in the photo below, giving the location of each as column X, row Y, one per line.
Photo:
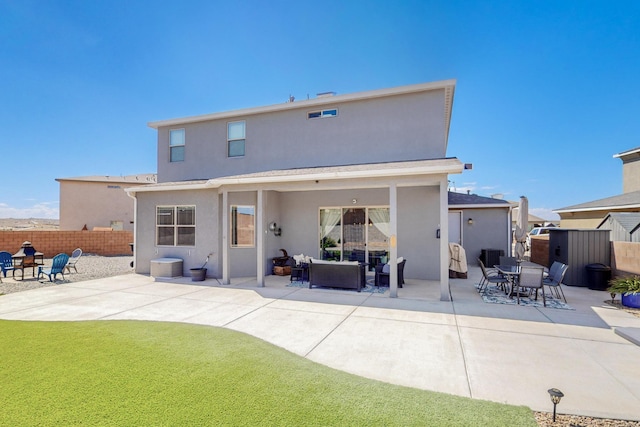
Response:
column 455, row 227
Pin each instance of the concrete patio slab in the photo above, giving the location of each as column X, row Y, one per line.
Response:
column 295, row 330
column 630, row 334
column 426, row 356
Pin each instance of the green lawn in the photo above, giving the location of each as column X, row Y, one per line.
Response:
column 151, row 373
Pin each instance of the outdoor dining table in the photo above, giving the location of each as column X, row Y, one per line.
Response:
column 511, row 272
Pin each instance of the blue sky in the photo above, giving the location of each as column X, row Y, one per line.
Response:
column 547, row 91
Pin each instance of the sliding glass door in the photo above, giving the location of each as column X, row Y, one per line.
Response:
column 355, row 234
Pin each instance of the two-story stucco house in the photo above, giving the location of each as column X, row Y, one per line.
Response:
column 356, row 176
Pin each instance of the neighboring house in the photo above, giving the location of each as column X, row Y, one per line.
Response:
column 624, row 226
column 533, row 220
column 591, row 214
column 478, row 223
column 339, row 175
column 98, row 201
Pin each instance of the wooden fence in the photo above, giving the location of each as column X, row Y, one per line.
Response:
column 52, row 242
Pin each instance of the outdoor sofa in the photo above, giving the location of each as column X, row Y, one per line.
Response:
column 337, row 274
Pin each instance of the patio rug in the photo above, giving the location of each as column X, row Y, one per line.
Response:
column 497, row 296
column 370, row 288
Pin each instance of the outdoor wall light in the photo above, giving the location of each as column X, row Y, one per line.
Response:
column 470, row 221
column 556, row 395
column 277, row 231
column 354, row 201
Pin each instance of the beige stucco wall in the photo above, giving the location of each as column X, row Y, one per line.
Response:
column 577, row 220
column 631, row 176
column 94, row 204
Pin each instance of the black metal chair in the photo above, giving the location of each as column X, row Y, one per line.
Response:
column 382, row 277
column 491, row 275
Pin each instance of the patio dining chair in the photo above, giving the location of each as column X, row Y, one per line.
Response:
column 75, row 256
column 508, row 260
column 58, row 264
column 555, row 278
column 491, row 275
column 530, row 278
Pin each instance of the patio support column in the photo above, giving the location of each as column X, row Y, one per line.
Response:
column 260, row 239
column 445, row 294
column 225, row 238
column 393, row 241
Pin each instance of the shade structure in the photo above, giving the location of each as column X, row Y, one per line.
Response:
column 522, row 223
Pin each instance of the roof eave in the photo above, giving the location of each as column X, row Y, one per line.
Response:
column 448, row 85
column 597, row 208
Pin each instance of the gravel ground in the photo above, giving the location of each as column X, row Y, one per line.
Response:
column 95, row 267
column 89, row 267
column 545, row 419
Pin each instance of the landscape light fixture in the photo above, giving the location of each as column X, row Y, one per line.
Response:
column 556, row 395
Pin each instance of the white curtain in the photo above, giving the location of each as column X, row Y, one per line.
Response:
column 381, row 219
column 329, row 218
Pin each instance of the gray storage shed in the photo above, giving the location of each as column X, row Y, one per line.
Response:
column 577, row 249
column 624, row 226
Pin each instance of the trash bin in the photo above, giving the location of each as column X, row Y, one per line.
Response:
column 598, row 276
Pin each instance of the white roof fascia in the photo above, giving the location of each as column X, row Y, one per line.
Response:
column 626, row 153
column 449, row 166
column 598, row 208
column 448, row 85
column 170, row 187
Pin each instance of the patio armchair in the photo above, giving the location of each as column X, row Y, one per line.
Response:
column 75, row 256
column 491, row 275
column 530, row 278
column 58, row 265
column 555, row 278
column 382, row 273
column 6, row 263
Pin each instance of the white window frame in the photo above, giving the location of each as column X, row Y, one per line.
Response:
column 173, row 145
column 175, row 226
column 234, row 139
column 322, row 114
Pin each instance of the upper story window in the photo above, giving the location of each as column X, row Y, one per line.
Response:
column 176, row 225
column 235, row 139
column 322, row 114
column 176, row 145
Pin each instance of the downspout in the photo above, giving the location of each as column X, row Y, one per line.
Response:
column 135, row 226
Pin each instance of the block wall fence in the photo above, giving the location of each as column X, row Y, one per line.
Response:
column 52, row 242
